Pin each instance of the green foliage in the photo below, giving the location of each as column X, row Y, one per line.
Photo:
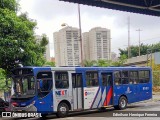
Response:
column 103, row 63
column 88, row 63
column 156, row 72
column 44, row 40
column 106, row 63
column 17, row 41
column 121, row 61
column 143, row 49
column 2, row 79
column 9, row 4
column 156, row 78
column 52, row 64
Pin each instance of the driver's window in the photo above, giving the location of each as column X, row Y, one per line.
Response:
column 45, row 83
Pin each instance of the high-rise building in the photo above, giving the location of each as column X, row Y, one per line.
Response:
column 47, row 52
column 96, row 44
column 67, row 47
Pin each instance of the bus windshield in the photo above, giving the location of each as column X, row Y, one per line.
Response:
column 23, row 85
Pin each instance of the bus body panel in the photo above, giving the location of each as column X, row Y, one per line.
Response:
column 80, row 96
column 45, row 105
column 92, row 97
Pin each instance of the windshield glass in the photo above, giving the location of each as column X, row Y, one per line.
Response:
column 24, row 85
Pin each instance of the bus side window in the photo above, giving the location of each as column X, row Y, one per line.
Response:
column 144, row 76
column 133, row 77
column 92, row 78
column 61, row 80
column 117, row 78
column 106, row 79
column 125, row 79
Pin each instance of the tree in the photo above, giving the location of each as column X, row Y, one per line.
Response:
column 89, row 63
column 2, row 79
column 17, row 41
column 121, row 61
column 52, row 64
column 143, row 49
column 103, row 63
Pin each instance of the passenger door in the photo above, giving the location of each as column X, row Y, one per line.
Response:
column 77, row 90
column 107, row 89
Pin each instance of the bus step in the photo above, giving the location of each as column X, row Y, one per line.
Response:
column 108, row 106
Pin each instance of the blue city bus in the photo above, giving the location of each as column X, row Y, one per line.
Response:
column 60, row 90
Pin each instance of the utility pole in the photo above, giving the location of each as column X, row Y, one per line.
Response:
column 129, row 51
column 80, row 32
column 139, row 30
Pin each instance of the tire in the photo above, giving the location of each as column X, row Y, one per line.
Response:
column 122, row 103
column 44, row 115
column 102, row 109
column 62, row 110
column 116, row 107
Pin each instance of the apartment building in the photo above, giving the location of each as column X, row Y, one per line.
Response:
column 97, row 44
column 67, row 47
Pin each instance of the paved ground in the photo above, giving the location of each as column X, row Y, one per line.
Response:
column 150, row 105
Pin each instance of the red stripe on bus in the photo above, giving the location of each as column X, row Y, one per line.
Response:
column 108, row 97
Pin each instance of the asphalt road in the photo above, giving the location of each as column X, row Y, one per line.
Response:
column 108, row 113
column 149, row 108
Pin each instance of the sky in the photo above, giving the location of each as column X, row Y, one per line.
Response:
column 51, row 14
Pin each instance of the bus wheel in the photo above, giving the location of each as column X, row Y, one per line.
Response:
column 116, row 107
column 62, row 110
column 44, row 115
column 122, row 104
column 102, row 109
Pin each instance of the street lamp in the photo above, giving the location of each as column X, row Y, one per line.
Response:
column 64, row 24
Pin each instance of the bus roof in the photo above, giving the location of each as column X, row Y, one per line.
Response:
column 86, row 68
